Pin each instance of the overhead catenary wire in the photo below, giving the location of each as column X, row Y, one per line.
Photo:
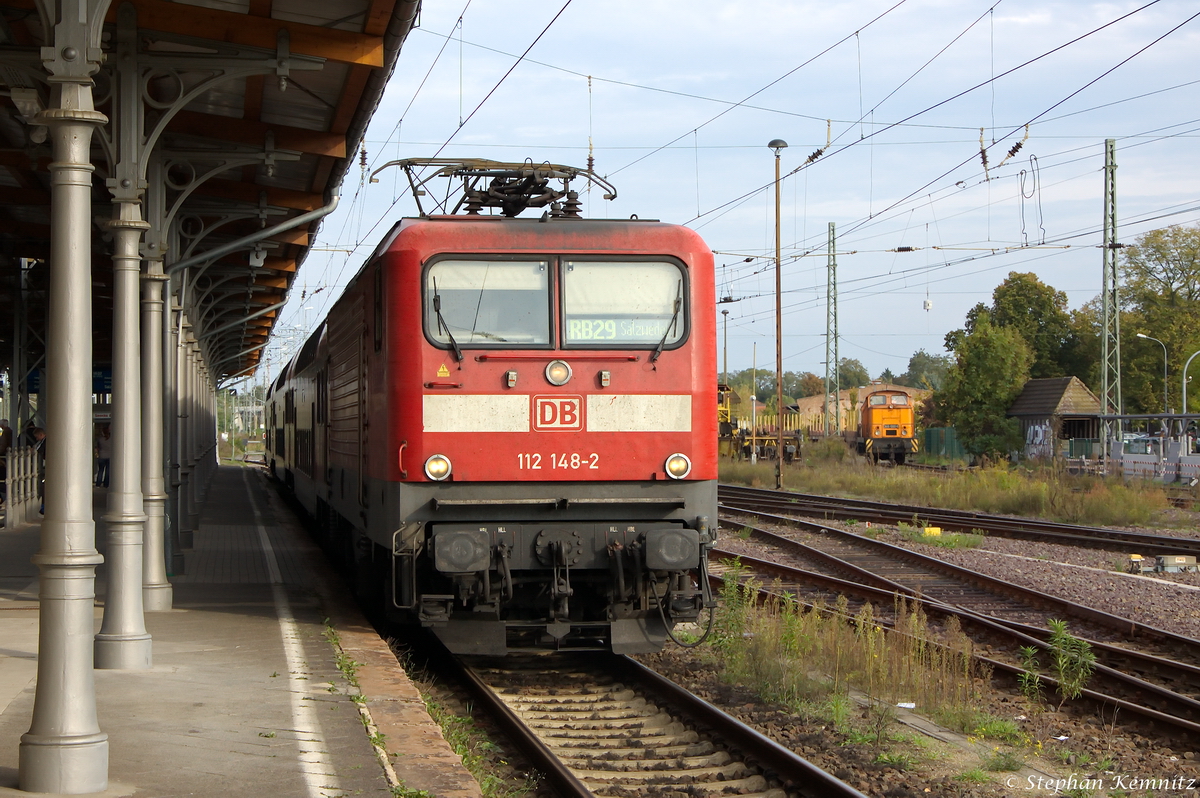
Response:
column 777, row 80
column 956, row 96
column 874, row 229
column 363, row 237
column 796, row 114
column 1085, row 157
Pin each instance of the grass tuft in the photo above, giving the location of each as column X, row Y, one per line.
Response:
column 475, row 749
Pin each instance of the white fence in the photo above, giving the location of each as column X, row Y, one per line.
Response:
column 21, row 478
column 1148, row 458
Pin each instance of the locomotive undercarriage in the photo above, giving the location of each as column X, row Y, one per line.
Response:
column 547, row 575
column 492, row 588
column 896, row 449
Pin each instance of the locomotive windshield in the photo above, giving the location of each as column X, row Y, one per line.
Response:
column 623, row 303
column 488, row 303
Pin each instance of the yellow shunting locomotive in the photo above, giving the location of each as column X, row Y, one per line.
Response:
column 886, row 429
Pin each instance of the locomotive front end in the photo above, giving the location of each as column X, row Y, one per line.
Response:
column 887, row 429
column 556, row 463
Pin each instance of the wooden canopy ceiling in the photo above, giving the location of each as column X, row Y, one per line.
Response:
column 311, row 123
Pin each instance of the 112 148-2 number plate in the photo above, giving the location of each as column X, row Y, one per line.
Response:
column 573, row 461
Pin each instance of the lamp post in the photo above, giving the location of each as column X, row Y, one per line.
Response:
column 1164, row 346
column 778, row 145
column 1183, row 408
column 725, row 367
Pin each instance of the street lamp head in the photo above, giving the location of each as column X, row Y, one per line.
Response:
column 777, row 145
column 1142, row 335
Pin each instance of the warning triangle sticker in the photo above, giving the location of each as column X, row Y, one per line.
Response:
column 443, row 371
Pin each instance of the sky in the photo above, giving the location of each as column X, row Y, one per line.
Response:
column 677, row 102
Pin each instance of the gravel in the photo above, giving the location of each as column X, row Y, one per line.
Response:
column 1089, row 576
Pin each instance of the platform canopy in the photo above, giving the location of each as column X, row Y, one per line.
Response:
column 253, row 111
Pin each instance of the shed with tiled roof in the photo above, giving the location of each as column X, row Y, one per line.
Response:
column 1055, row 409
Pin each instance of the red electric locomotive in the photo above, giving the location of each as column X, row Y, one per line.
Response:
column 504, row 425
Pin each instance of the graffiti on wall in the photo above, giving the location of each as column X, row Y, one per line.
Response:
column 1039, row 440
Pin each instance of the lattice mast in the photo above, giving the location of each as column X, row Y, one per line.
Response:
column 832, row 380
column 1110, row 332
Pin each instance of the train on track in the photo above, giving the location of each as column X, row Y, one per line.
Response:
column 503, row 428
column 886, row 427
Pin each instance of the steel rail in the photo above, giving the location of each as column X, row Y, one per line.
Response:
column 994, row 626
column 786, row 764
column 1024, row 634
column 961, row 520
column 540, row 756
column 806, row 777
column 1115, row 622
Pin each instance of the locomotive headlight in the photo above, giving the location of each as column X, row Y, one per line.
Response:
column 672, row 549
column 558, row 372
column 678, row 466
column 437, row 467
column 459, row 551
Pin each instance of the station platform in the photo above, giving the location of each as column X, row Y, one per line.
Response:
column 245, row 696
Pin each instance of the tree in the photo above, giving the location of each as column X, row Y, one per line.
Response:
column 991, row 366
column 811, row 385
column 954, row 337
column 852, row 373
column 798, row 384
column 1035, row 310
column 1161, row 298
column 925, row 371
column 887, row 376
column 1163, row 267
column 1039, row 313
column 763, row 381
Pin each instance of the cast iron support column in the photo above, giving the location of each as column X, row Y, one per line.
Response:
column 196, row 421
column 171, row 428
column 167, row 384
column 157, row 592
column 161, row 544
column 192, row 457
column 64, row 750
column 123, row 642
column 184, row 385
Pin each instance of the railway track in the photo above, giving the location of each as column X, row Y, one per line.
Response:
column 810, row 505
column 604, row 725
column 884, row 564
column 1156, row 686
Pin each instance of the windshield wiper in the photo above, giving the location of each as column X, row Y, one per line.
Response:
column 442, row 325
column 671, row 324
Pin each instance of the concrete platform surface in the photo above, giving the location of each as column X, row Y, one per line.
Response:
column 245, row 697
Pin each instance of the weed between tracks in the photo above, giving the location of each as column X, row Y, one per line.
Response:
column 1043, row 493
column 848, row 670
column 797, row 656
column 946, row 540
column 477, row 751
column 483, row 758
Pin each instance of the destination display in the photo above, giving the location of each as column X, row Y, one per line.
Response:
column 616, row 330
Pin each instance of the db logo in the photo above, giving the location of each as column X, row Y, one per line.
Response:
column 558, row 412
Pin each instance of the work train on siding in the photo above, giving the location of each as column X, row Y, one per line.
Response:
column 504, row 426
column 886, row 429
